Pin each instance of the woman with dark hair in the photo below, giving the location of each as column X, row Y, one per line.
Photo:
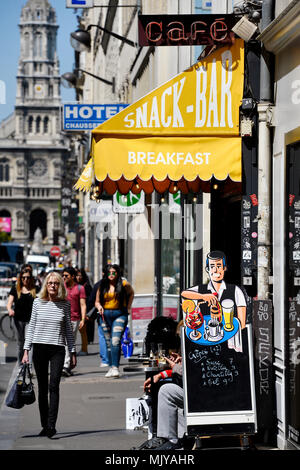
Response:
column 113, row 302
column 19, row 305
column 83, row 280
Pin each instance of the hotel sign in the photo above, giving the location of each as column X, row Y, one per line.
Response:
column 185, row 30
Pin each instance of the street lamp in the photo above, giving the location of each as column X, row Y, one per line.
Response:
column 81, row 39
column 69, row 79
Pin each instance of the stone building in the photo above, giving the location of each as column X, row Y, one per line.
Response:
column 33, row 150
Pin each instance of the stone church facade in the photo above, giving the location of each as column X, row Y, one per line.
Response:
column 33, row 150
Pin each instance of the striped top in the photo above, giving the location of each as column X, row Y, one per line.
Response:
column 50, row 323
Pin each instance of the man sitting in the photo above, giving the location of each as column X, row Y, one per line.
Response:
column 170, row 425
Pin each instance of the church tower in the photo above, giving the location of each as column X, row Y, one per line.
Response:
column 33, row 150
column 38, row 79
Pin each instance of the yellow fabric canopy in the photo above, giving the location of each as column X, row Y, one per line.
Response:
column 188, row 128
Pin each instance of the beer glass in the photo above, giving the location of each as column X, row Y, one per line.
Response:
column 228, row 310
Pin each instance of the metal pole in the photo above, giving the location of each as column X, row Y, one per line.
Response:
column 264, row 165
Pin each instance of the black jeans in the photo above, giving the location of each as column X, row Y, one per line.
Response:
column 20, row 327
column 43, row 355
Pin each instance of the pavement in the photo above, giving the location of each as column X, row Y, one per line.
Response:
column 92, row 412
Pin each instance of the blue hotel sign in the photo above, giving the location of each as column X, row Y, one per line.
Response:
column 79, row 3
column 85, row 117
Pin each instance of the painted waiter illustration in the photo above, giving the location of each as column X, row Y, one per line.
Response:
column 219, row 305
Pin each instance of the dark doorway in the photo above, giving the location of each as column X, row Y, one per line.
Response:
column 38, row 219
column 226, row 229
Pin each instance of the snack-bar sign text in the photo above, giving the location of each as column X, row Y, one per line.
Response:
column 176, row 30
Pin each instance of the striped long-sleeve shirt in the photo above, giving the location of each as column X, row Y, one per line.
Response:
column 50, row 323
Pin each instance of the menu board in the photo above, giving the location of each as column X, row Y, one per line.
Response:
column 219, row 389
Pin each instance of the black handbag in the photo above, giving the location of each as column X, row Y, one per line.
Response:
column 22, row 392
column 27, row 388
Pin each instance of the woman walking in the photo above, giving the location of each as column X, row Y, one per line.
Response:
column 113, row 302
column 83, row 280
column 19, row 305
column 48, row 332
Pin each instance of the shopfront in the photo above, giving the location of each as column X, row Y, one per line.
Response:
column 181, row 146
column 282, row 39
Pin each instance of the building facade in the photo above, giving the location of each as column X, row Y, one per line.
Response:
column 263, row 218
column 33, row 150
column 281, row 38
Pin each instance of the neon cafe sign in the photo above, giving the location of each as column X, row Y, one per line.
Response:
column 185, row 30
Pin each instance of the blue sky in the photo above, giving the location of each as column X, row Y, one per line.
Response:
column 10, row 48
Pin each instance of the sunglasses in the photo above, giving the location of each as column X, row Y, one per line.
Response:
column 112, row 273
column 53, row 283
column 26, row 277
column 66, row 275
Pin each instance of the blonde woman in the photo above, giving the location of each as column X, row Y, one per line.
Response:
column 19, row 305
column 48, row 331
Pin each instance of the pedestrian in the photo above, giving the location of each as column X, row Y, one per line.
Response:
column 19, row 305
column 170, row 404
column 91, row 311
column 82, row 279
column 77, row 298
column 113, row 301
column 48, row 332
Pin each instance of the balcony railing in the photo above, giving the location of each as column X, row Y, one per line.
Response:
column 30, row 193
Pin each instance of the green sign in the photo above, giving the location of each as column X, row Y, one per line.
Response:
column 129, row 203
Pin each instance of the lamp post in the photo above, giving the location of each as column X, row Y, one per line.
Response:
column 69, row 79
column 81, row 39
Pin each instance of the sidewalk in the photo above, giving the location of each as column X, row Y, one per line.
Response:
column 92, row 412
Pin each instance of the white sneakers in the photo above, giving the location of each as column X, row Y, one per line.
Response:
column 113, row 372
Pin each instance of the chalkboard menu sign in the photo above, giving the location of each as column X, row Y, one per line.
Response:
column 219, row 389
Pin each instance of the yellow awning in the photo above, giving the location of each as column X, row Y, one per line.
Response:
column 185, row 130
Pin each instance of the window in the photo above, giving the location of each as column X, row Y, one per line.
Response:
column 4, row 169
column 46, row 125
column 37, row 45
column 26, row 44
column 38, row 125
column 30, row 124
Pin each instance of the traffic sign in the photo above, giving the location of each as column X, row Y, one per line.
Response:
column 79, row 3
column 88, row 116
column 55, row 251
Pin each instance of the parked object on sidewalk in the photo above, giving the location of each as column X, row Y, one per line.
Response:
column 127, row 343
column 22, row 392
column 137, row 412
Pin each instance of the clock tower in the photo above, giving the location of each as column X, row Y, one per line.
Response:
column 31, row 142
column 38, row 81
